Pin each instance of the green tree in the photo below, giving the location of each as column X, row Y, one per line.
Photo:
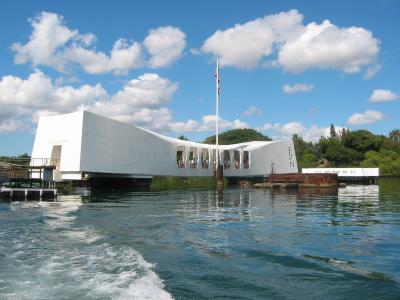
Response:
column 305, row 153
column 337, row 154
column 363, row 141
column 332, row 131
column 394, row 135
column 236, row 136
column 386, row 160
column 183, row 138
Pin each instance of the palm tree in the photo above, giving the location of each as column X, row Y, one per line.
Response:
column 394, row 135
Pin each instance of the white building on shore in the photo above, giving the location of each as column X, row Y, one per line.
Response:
column 84, row 144
column 347, row 174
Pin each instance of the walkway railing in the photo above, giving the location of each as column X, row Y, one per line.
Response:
column 22, row 168
column 44, row 162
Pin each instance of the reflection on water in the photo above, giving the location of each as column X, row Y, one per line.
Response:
column 359, row 193
column 204, row 244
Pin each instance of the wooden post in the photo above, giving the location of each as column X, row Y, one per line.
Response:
column 220, row 176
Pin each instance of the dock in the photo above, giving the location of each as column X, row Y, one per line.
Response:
column 296, row 180
column 348, row 175
column 27, row 193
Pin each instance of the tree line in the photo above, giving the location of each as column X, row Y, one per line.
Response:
column 358, row 148
column 346, row 148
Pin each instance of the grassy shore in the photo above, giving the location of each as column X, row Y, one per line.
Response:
column 168, row 182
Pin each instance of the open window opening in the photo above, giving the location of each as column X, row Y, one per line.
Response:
column 246, row 159
column 236, row 159
column 205, row 159
column 180, row 156
column 193, row 158
column 227, row 159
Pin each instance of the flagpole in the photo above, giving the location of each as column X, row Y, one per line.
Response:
column 219, row 171
column 217, row 114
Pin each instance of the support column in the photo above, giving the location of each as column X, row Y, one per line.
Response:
column 219, row 174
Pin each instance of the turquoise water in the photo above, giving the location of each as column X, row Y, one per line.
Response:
column 197, row 244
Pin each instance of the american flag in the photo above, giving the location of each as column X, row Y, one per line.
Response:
column 218, row 77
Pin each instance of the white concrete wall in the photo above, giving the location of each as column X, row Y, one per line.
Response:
column 64, row 130
column 345, row 172
column 276, row 153
column 95, row 144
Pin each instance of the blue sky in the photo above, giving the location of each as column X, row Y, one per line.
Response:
column 287, row 66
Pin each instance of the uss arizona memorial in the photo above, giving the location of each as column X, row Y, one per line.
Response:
column 83, row 144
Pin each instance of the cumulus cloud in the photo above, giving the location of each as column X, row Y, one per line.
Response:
column 283, row 40
column 287, row 130
column 380, row 95
column 297, row 88
column 368, row 117
column 123, row 57
column 328, row 46
column 253, row 110
column 11, row 125
column 165, row 44
column 38, row 92
column 208, row 123
column 53, row 44
column 22, row 99
column 142, row 101
column 48, row 35
column 243, row 46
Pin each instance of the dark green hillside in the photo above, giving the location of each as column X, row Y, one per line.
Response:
column 236, row 136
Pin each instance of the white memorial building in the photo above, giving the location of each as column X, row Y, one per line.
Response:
column 83, row 144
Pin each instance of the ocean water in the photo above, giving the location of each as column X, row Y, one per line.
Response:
column 200, row 244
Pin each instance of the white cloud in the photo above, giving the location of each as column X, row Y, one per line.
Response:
column 380, row 95
column 166, row 45
column 37, row 92
column 287, row 129
column 48, row 35
column 148, row 90
column 372, row 71
column 209, row 124
column 123, row 57
column 54, row 45
column 237, row 124
column 312, row 133
column 253, row 110
column 285, row 41
column 368, row 117
column 243, row 46
column 328, row 46
column 142, row 101
column 11, row 125
column 23, row 101
column 297, row 88
column 189, row 125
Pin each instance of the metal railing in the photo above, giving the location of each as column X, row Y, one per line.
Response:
column 44, row 162
column 22, row 168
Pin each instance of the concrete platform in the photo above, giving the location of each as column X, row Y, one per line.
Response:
column 27, row 193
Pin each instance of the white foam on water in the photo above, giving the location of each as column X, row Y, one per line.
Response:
column 82, row 266
column 104, row 271
column 88, row 235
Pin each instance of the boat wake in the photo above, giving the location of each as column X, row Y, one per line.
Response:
column 71, row 262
